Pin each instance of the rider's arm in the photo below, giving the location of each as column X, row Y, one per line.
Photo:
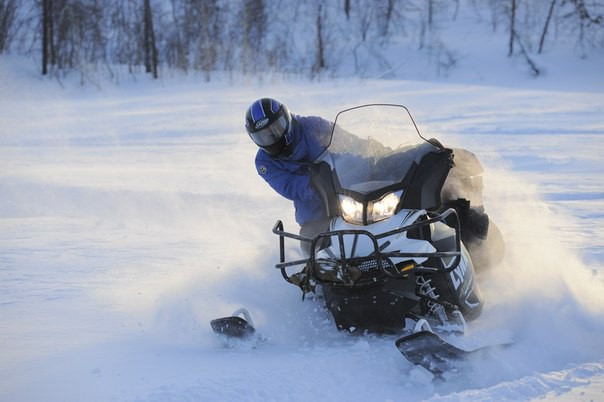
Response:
column 291, row 185
column 317, row 135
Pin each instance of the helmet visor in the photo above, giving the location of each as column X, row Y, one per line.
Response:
column 272, row 133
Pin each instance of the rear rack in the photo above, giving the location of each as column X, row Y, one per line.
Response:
column 383, row 259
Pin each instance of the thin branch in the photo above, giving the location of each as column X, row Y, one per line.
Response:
column 536, row 71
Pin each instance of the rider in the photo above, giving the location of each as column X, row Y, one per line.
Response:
column 289, row 144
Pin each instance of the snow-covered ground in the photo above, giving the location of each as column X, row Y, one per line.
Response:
column 131, row 216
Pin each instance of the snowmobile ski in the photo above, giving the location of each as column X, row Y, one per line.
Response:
column 234, row 326
column 435, row 354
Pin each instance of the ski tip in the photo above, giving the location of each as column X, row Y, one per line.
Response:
column 423, row 336
column 232, row 327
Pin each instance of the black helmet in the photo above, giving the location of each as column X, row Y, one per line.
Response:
column 268, row 123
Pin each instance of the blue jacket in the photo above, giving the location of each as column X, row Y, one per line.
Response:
column 290, row 177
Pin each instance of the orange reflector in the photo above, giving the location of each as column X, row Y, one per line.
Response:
column 407, row 267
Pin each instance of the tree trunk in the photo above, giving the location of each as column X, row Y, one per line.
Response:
column 388, row 17
column 512, row 28
column 150, row 48
column 549, row 17
column 46, row 16
column 51, row 32
column 320, row 61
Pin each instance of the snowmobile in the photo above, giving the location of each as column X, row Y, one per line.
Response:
column 407, row 224
column 395, row 249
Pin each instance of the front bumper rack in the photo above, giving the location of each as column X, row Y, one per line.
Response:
column 380, row 258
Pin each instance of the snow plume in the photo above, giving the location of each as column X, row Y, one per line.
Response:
column 542, row 291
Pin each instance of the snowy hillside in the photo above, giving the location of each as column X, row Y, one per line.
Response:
column 132, row 215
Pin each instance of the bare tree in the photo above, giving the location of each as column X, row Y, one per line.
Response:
column 126, row 23
column 586, row 18
column 547, row 20
column 386, row 12
column 364, row 18
column 428, row 22
column 73, row 35
column 176, row 41
column 584, row 14
column 8, row 10
column 255, row 25
column 46, row 33
column 320, row 57
column 151, row 58
column 203, row 32
column 512, row 27
column 209, row 35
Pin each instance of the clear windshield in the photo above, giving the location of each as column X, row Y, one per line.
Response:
column 372, row 146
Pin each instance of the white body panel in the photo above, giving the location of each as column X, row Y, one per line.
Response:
column 397, row 242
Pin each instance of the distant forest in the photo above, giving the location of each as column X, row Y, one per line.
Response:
column 306, row 37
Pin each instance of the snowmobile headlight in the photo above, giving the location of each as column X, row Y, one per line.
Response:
column 352, row 210
column 385, row 207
